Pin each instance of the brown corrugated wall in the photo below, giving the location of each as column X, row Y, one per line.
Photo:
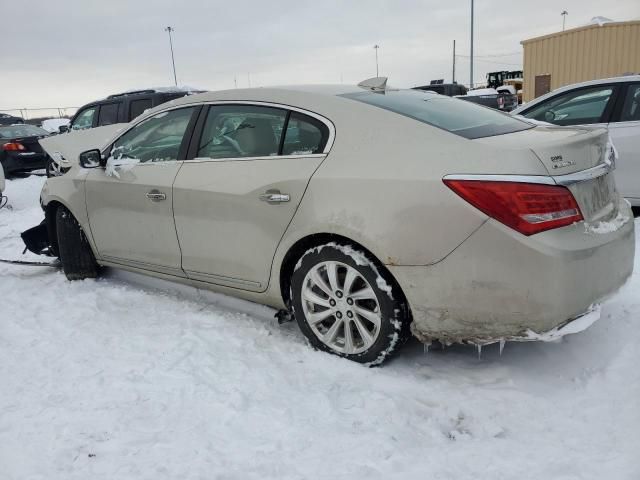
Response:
column 581, row 54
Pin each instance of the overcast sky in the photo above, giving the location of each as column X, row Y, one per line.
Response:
column 69, row 52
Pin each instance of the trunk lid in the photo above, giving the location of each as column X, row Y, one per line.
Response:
column 31, row 143
column 566, row 153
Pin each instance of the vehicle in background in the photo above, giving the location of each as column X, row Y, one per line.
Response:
column 448, row 89
column 6, row 119
column 497, row 79
column 517, row 85
column 490, row 97
column 613, row 103
column 52, row 125
column 20, row 150
column 123, row 107
column 366, row 213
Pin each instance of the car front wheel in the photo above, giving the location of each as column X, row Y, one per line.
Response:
column 346, row 305
column 76, row 256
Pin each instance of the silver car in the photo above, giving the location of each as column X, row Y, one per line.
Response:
column 366, row 213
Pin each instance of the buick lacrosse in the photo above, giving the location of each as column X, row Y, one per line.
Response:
column 365, row 213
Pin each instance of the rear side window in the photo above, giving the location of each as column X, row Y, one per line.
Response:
column 137, row 107
column 236, row 131
column 456, row 116
column 305, row 135
column 108, row 114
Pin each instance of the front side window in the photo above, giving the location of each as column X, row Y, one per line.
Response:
column 236, row 131
column 453, row 115
column 578, row 107
column 305, row 135
column 84, row 119
column 156, row 139
column 631, row 107
column 108, row 114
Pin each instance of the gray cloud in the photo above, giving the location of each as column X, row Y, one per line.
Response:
column 70, row 52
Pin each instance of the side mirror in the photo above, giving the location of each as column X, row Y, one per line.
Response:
column 91, row 159
column 63, row 128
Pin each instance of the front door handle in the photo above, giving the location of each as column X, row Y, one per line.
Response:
column 274, row 196
column 156, row 196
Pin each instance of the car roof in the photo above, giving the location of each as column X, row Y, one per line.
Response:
column 293, row 95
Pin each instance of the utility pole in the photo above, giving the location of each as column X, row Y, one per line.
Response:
column 471, row 56
column 564, row 17
column 376, row 47
column 453, row 75
column 171, row 29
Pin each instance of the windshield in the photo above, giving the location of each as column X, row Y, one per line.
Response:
column 456, row 116
column 20, row 131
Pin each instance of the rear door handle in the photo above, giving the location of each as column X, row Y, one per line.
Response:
column 274, row 196
column 156, row 196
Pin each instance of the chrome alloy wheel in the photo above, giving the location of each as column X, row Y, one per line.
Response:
column 340, row 307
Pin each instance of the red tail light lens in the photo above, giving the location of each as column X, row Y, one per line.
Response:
column 528, row 208
column 13, row 147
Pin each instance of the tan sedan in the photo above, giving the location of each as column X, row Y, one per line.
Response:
column 367, row 213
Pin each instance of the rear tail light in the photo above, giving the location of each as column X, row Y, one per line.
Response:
column 528, row 208
column 13, row 147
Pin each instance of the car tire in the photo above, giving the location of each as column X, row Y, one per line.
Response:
column 76, row 256
column 348, row 305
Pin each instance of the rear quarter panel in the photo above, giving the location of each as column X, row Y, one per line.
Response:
column 381, row 186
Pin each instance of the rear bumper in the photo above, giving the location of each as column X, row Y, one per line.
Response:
column 500, row 285
column 24, row 162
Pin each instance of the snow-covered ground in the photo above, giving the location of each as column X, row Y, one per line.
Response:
column 129, row 378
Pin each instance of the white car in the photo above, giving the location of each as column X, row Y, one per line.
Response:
column 613, row 103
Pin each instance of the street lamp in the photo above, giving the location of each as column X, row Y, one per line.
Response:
column 564, row 17
column 171, row 29
column 376, row 47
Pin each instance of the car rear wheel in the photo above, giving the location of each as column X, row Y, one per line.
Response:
column 344, row 304
column 76, row 256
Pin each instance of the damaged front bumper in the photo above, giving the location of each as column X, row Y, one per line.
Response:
column 36, row 240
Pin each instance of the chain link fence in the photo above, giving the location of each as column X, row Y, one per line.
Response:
column 35, row 115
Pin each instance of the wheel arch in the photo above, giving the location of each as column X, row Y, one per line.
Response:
column 297, row 250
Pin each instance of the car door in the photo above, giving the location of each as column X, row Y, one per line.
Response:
column 234, row 198
column 129, row 202
column 625, row 133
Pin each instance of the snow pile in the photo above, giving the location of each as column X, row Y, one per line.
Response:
column 53, row 124
column 482, row 91
column 125, row 377
column 608, row 226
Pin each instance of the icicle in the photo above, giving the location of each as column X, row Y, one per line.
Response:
column 426, row 348
column 479, row 347
column 502, row 342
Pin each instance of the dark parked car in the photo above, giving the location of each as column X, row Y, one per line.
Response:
column 499, row 100
column 121, row 107
column 6, row 119
column 448, row 89
column 20, row 150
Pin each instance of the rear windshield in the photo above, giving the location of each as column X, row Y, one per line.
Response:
column 456, row 116
column 20, row 131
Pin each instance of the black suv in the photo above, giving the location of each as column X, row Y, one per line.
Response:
column 121, row 108
column 6, row 119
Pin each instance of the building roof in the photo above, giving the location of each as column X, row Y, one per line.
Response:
column 577, row 29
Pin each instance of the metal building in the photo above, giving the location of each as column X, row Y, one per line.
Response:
column 586, row 53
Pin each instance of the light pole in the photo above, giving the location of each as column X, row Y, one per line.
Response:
column 376, row 47
column 564, row 17
column 171, row 29
column 471, row 56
